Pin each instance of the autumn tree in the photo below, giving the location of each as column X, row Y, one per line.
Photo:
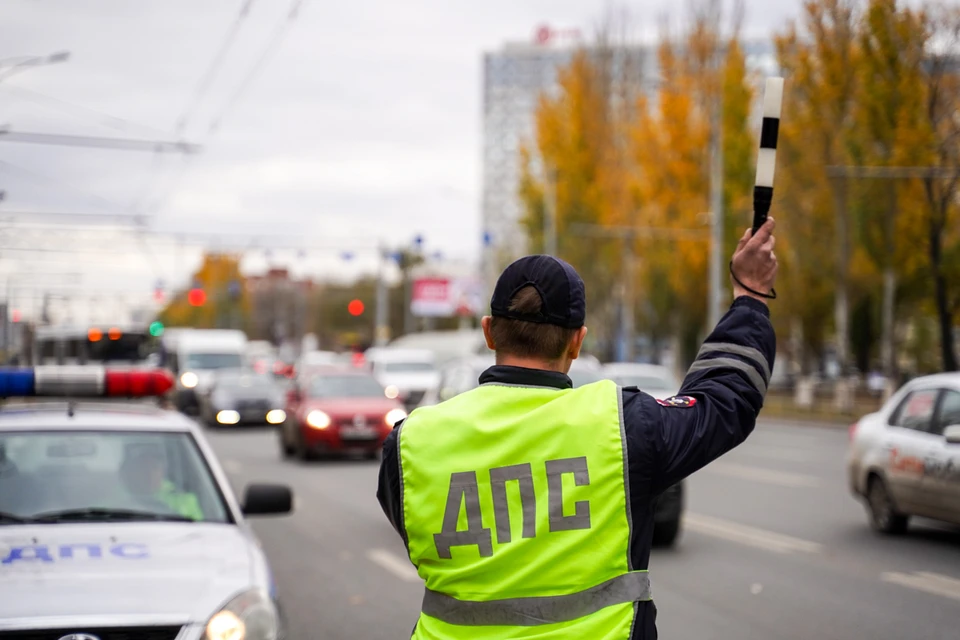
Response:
column 574, row 171
column 226, row 303
column 671, row 143
column 888, row 125
column 818, row 55
column 941, row 80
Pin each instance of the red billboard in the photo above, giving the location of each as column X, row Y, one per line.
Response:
column 439, row 297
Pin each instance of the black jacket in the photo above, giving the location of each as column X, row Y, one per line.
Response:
column 666, row 442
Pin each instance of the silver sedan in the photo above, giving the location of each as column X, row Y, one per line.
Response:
column 904, row 460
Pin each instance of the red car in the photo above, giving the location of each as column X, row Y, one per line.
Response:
column 337, row 412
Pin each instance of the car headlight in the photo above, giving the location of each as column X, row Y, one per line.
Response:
column 394, row 416
column 391, row 392
column 228, row 416
column 250, row 616
column 189, row 380
column 318, row 419
column 276, row 416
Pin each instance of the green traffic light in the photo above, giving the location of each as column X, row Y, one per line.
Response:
column 156, row 329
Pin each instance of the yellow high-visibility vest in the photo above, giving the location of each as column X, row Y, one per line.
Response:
column 517, row 516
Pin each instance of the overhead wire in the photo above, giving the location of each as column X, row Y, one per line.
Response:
column 105, row 119
column 199, row 92
column 272, row 45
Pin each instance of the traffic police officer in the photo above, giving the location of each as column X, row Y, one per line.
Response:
column 527, row 506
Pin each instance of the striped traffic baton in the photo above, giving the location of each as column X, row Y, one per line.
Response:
column 767, row 158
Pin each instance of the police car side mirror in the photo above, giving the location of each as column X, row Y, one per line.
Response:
column 267, row 500
column 952, row 434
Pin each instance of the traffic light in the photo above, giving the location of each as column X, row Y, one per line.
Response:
column 355, row 308
column 196, row 297
column 156, row 329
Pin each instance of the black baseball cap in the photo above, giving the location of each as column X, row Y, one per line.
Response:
column 564, row 300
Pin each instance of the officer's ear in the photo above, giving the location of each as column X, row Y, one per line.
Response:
column 487, row 336
column 576, row 343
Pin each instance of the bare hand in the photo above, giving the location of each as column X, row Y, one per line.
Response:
column 754, row 262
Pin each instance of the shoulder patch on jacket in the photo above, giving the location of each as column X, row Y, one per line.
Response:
column 677, row 401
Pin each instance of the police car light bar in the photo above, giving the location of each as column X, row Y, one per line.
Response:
column 83, row 382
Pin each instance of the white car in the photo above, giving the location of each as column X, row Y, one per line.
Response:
column 654, row 379
column 409, row 374
column 904, row 460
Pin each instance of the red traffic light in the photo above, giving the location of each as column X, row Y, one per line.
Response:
column 197, row 297
column 355, row 308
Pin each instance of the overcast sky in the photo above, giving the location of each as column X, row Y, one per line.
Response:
column 363, row 125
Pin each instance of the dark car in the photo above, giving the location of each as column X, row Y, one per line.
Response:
column 243, row 398
column 337, row 412
column 463, row 374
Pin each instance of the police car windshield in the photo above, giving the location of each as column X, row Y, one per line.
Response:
column 210, row 361
column 55, row 476
column 352, row 386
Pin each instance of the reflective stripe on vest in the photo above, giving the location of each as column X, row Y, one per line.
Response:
column 525, row 612
column 516, row 513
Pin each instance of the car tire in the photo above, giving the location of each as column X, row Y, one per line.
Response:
column 287, row 450
column 665, row 534
column 301, row 450
column 884, row 516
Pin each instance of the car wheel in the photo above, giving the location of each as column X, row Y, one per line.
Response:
column 301, row 449
column 665, row 534
column 286, row 449
column 884, row 516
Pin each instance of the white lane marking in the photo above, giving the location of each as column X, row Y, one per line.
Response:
column 232, row 466
column 399, row 567
column 757, row 474
column 751, row 536
column 775, row 453
column 925, row 581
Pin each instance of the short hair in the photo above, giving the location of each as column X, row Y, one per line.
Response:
column 529, row 339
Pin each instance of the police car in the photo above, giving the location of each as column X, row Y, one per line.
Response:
column 904, row 460
column 117, row 522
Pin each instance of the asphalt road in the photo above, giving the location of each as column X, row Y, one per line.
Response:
column 774, row 547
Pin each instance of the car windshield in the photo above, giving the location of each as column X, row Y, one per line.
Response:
column 352, row 386
column 56, row 476
column 245, row 381
column 408, row 367
column 208, row 361
column 644, row 382
column 321, row 357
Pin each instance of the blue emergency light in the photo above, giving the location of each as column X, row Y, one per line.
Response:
column 83, row 381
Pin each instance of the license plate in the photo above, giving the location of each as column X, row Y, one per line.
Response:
column 253, row 415
column 358, row 433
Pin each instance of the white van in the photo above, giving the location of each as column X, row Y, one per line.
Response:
column 194, row 356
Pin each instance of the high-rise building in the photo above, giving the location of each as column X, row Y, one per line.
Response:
column 514, row 78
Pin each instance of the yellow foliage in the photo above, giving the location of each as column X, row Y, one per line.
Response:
column 227, row 302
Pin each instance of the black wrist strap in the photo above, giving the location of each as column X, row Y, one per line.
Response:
column 769, row 296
